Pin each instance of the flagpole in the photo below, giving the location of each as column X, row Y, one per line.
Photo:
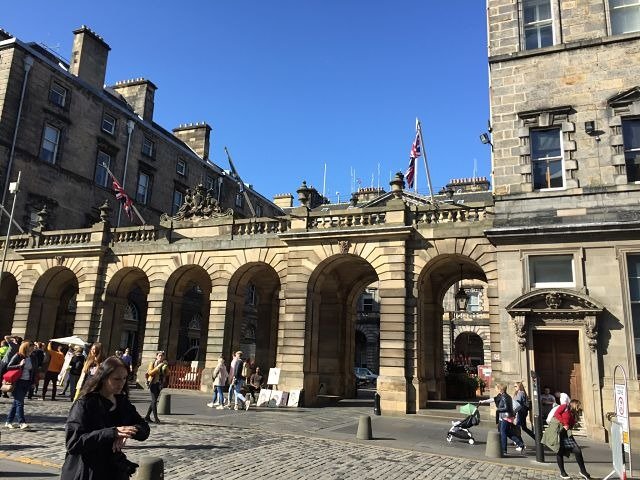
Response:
column 132, row 205
column 426, row 165
column 415, row 161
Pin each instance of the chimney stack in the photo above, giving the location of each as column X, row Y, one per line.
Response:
column 89, row 57
column 139, row 93
column 196, row 135
column 283, row 200
column 4, row 35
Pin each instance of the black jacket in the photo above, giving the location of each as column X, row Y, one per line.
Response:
column 14, row 364
column 90, row 432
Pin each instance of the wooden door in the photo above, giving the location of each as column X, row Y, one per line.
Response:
column 557, row 361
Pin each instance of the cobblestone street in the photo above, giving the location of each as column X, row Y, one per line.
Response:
column 315, row 444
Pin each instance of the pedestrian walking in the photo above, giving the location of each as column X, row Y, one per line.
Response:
column 99, row 424
column 22, row 363
column 559, row 438
column 156, row 373
column 91, row 364
column 219, row 377
column 504, row 411
column 521, row 407
column 75, row 370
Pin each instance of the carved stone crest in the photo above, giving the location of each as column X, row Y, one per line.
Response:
column 591, row 331
column 59, row 259
column 553, row 300
column 198, row 203
column 520, row 327
column 344, row 246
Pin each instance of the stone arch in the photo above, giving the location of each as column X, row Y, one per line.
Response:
column 126, row 292
column 436, row 277
column 332, row 295
column 187, row 294
column 470, row 343
column 252, row 308
column 52, row 306
column 8, row 294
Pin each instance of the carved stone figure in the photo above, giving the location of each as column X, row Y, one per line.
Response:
column 199, row 203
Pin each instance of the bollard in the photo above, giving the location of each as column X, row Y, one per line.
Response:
column 376, row 402
column 151, row 468
column 364, row 428
column 164, row 404
column 493, row 448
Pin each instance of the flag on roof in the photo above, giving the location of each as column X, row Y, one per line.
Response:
column 416, row 151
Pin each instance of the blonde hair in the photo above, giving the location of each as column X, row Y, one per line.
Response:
column 24, row 348
column 575, row 406
column 501, row 387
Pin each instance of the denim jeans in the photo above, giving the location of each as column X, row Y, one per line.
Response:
column 17, row 408
column 218, row 394
column 506, row 430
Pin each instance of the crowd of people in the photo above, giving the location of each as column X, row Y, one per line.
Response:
column 245, row 380
column 559, row 412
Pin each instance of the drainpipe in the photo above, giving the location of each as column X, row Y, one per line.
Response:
column 28, row 63
column 130, row 125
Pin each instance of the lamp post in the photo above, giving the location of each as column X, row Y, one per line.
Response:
column 13, row 188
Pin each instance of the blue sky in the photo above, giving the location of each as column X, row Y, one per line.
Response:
column 289, row 85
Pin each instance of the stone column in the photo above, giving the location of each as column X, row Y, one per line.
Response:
column 89, row 301
column 215, row 331
column 291, row 331
column 397, row 337
column 151, row 329
column 591, row 376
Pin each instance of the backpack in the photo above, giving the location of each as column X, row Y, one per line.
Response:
column 245, row 370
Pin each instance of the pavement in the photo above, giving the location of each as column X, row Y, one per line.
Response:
column 291, row 443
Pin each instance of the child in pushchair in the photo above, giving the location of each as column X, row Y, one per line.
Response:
column 460, row 428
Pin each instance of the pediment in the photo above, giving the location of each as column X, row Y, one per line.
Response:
column 625, row 98
column 554, row 301
column 407, row 197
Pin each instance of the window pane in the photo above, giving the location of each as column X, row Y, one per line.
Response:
column 625, row 16
column 551, row 269
column 633, row 265
column 631, row 134
column 531, row 38
column 50, row 140
column 102, row 178
column 177, row 201
column 555, row 174
column 545, row 143
column 539, row 172
column 143, row 188
column 546, row 36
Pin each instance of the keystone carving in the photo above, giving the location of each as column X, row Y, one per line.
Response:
column 344, row 245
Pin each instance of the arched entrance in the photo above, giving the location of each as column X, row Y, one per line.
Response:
column 252, row 314
column 185, row 314
column 52, row 310
column 332, row 313
column 436, row 279
column 469, row 348
column 8, row 293
column 125, row 312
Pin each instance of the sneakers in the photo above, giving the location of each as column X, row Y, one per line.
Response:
column 564, row 475
column 24, row 426
column 247, row 404
column 236, row 407
column 9, row 425
column 585, row 475
column 521, row 449
column 220, row 407
column 210, row 404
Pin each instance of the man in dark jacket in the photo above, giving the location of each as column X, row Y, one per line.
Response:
column 504, row 411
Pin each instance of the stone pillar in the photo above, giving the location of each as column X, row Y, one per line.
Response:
column 290, row 355
column 151, row 329
column 397, row 333
column 215, row 331
column 89, row 300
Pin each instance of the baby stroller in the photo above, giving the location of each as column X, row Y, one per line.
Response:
column 460, row 428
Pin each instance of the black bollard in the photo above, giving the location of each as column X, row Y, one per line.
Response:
column 537, row 416
column 376, row 407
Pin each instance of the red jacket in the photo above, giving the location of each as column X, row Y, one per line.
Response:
column 565, row 416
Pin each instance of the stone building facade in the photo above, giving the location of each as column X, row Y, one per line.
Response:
column 59, row 124
column 555, row 248
column 565, row 106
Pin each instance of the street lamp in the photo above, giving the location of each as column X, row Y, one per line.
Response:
column 461, row 297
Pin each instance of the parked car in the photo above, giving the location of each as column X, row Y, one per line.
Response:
column 364, row 376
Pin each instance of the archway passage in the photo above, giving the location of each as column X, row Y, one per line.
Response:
column 469, row 349
column 8, row 294
column 185, row 314
column 125, row 312
column 332, row 314
column 252, row 315
column 437, row 278
column 52, row 309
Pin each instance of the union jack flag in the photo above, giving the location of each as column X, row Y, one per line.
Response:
column 123, row 198
column 416, row 151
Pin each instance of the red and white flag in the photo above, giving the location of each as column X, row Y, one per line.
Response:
column 416, row 151
column 122, row 197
